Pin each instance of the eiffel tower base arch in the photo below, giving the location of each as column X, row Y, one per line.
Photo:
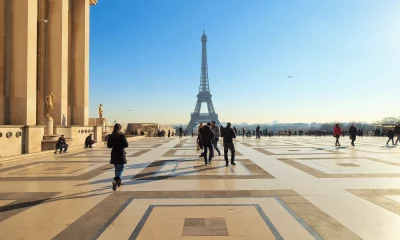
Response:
column 196, row 119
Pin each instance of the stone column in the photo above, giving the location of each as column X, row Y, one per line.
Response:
column 42, row 60
column 23, row 62
column 58, row 57
column 80, row 62
column 2, row 56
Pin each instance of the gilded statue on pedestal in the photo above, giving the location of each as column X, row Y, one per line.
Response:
column 49, row 104
column 101, row 112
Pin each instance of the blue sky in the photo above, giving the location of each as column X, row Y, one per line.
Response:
column 343, row 55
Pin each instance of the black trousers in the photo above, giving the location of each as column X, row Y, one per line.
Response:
column 390, row 138
column 208, row 146
column 337, row 140
column 229, row 146
column 353, row 138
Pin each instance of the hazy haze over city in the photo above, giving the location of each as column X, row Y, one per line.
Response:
column 343, row 57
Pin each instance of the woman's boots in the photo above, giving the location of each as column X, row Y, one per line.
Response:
column 116, row 182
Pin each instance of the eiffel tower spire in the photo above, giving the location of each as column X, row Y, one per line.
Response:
column 204, row 95
column 204, row 84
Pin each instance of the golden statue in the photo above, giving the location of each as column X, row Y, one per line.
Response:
column 101, row 112
column 49, row 104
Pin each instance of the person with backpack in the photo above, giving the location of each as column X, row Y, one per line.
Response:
column 117, row 141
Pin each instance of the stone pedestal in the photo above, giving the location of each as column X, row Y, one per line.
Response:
column 101, row 123
column 49, row 126
column 98, row 134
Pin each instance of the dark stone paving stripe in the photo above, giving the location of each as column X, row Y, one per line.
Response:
column 85, row 176
column 93, row 223
column 22, row 203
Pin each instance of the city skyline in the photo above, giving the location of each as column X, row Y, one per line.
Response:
column 298, row 62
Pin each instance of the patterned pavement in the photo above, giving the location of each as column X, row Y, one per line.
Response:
column 281, row 188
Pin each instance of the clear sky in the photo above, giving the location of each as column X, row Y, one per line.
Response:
column 343, row 56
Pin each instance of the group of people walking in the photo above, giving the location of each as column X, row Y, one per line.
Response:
column 353, row 132
column 207, row 140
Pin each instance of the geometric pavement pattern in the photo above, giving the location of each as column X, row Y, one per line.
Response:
column 281, row 188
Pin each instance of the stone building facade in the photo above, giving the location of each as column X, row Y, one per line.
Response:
column 44, row 47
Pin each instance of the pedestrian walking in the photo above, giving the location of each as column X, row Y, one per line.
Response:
column 216, row 132
column 337, row 132
column 207, row 137
column 235, row 130
column 397, row 132
column 117, row 141
column 229, row 135
column 258, row 131
column 199, row 141
column 353, row 134
column 390, row 135
column 180, row 131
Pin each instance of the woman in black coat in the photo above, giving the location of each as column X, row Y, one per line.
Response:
column 117, row 141
column 353, row 134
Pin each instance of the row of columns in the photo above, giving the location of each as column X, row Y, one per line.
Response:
column 44, row 46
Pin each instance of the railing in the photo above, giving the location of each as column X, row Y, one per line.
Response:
column 202, row 114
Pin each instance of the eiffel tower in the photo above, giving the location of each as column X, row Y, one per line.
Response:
column 204, row 95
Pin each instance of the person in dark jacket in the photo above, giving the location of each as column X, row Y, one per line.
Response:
column 216, row 132
column 180, row 131
column 89, row 141
column 207, row 137
column 258, row 131
column 390, row 135
column 199, row 142
column 235, row 130
column 229, row 135
column 117, row 141
column 353, row 134
column 397, row 132
column 61, row 145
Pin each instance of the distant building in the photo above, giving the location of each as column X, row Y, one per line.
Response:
column 148, row 129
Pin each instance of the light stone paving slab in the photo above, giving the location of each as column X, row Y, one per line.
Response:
column 356, row 198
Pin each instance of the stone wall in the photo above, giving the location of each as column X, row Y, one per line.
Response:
column 18, row 139
column 77, row 133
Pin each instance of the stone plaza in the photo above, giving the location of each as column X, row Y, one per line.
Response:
column 281, row 188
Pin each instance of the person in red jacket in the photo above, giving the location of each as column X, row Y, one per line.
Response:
column 337, row 132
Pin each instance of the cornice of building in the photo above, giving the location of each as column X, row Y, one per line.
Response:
column 93, row 2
